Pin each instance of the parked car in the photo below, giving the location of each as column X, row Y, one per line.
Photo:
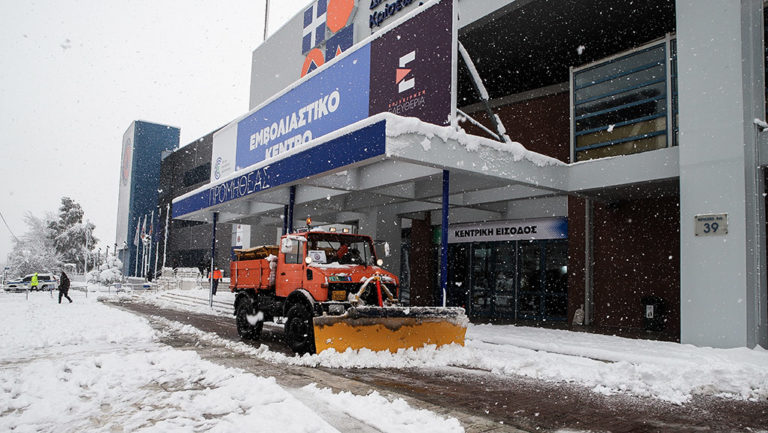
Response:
column 15, row 285
column 44, row 282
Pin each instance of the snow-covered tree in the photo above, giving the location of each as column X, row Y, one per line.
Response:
column 70, row 234
column 34, row 250
column 110, row 271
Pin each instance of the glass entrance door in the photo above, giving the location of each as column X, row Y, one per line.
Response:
column 504, row 289
column 556, row 280
column 482, row 288
column 458, row 275
column 514, row 280
column 529, row 280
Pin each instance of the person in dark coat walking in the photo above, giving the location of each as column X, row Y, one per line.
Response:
column 64, row 287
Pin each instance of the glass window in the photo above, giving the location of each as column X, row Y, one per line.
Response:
column 621, row 84
column 296, row 255
column 343, row 249
column 633, row 62
column 632, row 104
column 620, row 105
column 199, row 174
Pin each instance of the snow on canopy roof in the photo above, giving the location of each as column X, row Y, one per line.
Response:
column 397, row 126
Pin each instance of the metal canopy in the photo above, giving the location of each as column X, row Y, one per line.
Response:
column 406, row 173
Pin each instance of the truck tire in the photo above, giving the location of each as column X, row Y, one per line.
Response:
column 244, row 328
column 299, row 331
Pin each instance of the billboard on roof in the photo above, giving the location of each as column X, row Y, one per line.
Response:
column 406, row 69
column 332, row 99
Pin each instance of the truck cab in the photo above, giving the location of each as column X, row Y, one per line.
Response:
column 325, row 264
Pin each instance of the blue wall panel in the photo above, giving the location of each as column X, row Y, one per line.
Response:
column 150, row 140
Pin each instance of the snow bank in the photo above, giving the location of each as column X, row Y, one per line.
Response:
column 157, row 390
column 399, row 416
column 668, row 371
column 41, row 326
column 605, row 364
column 88, row 367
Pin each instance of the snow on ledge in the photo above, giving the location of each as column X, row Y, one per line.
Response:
column 399, row 126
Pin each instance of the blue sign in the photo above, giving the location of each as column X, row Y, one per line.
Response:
column 336, row 97
column 368, row 142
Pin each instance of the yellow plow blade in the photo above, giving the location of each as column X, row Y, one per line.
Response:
column 390, row 328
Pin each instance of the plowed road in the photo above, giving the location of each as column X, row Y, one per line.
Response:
column 480, row 400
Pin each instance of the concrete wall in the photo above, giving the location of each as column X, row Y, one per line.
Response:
column 636, row 254
column 422, row 264
column 721, row 91
column 537, row 207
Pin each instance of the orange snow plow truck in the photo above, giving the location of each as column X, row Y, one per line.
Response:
column 333, row 293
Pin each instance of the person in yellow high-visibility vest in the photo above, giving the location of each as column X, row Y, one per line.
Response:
column 33, row 282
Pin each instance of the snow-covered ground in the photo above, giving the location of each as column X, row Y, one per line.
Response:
column 605, row 364
column 88, row 367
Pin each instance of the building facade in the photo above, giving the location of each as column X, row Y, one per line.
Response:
column 143, row 146
column 188, row 243
column 602, row 169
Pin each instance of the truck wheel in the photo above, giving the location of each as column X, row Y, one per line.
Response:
column 299, row 333
column 244, row 327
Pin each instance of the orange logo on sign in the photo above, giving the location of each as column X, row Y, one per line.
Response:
column 338, row 14
column 314, row 60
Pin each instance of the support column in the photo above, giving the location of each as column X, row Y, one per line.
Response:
column 383, row 225
column 721, row 92
column 589, row 260
column 213, row 257
column 285, row 220
column 291, row 204
column 444, row 238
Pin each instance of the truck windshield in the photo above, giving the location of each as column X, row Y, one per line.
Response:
column 340, row 248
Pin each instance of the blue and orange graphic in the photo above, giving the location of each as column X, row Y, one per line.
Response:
column 326, row 23
column 313, row 61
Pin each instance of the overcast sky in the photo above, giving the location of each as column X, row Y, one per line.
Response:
column 75, row 74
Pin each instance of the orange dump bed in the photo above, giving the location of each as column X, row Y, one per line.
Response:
column 260, row 252
column 250, row 274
